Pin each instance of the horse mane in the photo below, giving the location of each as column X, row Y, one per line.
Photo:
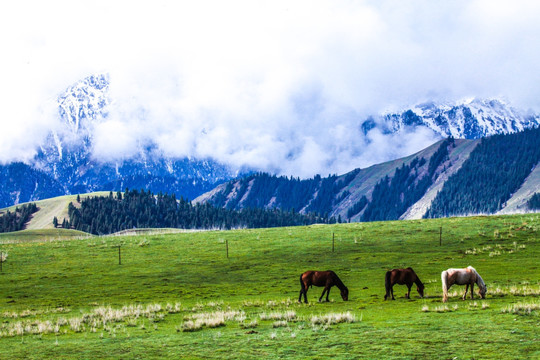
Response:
column 339, row 283
column 479, row 281
column 419, row 283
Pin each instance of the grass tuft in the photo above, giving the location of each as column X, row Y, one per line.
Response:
column 333, row 318
column 522, row 308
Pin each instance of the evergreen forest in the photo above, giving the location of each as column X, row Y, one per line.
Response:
column 142, row 209
column 291, row 194
column 15, row 221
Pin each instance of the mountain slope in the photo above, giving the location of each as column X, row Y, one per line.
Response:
column 406, row 188
column 518, row 201
column 456, row 159
column 21, row 183
column 334, row 195
column 496, row 169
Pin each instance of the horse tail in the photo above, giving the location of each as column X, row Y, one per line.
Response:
column 387, row 284
column 444, row 279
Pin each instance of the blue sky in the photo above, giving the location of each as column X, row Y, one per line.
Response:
column 280, row 85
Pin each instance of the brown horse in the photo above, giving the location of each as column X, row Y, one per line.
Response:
column 402, row 277
column 321, row 278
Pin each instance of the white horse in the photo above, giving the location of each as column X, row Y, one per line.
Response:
column 467, row 276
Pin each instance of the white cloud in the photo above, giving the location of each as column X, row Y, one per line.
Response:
column 279, row 85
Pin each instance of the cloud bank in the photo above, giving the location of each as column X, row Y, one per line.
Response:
column 279, row 86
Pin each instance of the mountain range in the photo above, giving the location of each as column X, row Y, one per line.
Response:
column 65, row 163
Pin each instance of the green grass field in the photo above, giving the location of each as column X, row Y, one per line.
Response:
column 179, row 296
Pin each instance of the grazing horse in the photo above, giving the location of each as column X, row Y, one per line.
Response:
column 467, row 276
column 402, row 277
column 321, row 278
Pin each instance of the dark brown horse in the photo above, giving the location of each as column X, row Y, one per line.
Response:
column 402, row 277
column 321, row 278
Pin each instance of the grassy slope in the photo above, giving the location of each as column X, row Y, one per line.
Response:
column 41, row 235
column 65, row 279
column 50, row 208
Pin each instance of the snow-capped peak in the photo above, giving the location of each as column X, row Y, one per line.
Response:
column 84, row 102
column 469, row 118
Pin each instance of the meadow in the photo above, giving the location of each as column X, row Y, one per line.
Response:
column 177, row 295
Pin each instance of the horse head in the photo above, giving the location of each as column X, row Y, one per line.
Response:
column 420, row 290
column 482, row 291
column 345, row 293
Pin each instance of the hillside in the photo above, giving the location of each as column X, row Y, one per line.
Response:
column 341, row 192
column 50, row 208
column 505, row 168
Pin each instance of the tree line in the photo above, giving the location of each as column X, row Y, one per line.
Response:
column 142, row 209
column 15, row 221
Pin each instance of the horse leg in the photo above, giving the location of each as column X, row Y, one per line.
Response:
column 466, row 289
column 303, row 290
column 328, row 293
column 409, row 291
column 472, row 291
column 325, row 289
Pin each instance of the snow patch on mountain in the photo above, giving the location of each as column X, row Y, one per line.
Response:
column 467, row 119
column 84, row 102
